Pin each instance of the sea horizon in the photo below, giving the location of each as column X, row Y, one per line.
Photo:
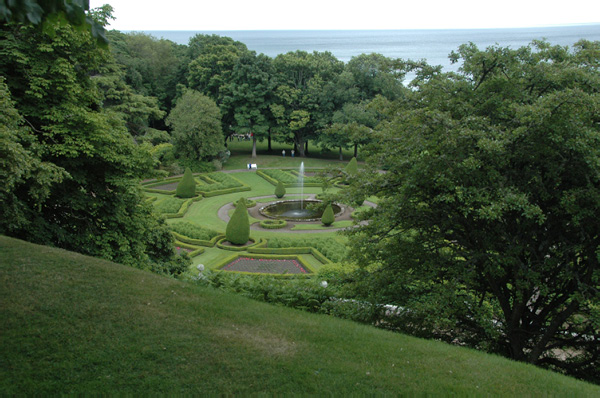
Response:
column 431, row 45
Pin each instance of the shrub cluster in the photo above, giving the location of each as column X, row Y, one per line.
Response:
column 329, row 247
column 168, row 205
column 287, row 178
column 218, row 181
column 193, row 231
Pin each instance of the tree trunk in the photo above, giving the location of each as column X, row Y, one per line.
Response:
column 300, row 145
column 305, row 149
column 341, row 157
column 269, row 148
column 356, row 150
column 253, row 146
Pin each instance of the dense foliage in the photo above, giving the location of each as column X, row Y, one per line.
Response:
column 75, row 169
column 487, row 225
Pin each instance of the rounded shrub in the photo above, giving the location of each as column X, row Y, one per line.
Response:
column 238, row 227
column 328, row 217
column 280, row 190
column 249, row 203
column 273, row 224
column 187, row 186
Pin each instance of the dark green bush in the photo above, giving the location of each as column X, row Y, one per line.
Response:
column 328, row 217
column 238, row 227
column 280, row 190
column 187, row 186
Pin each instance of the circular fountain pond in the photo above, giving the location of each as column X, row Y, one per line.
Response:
column 298, row 210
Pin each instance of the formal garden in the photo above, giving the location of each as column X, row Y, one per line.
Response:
column 286, row 226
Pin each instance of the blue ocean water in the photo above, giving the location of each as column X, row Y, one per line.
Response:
column 434, row 46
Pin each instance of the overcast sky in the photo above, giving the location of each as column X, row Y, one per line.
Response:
column 346, row 14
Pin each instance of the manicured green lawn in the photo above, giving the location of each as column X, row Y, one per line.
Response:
column 77, row 325
column 242, row 155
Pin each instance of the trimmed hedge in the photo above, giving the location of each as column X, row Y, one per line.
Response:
column 195, row 251
column 305, row 265
column 279, row 190
column 197, row 242
column 249, row 203
column 273, row 224
column 258, row 243
column 328, row 217
column 288, row 179
column 183, row 209
column 291, row 250
column 352, row 167
column 238, row 227
column 187, row 186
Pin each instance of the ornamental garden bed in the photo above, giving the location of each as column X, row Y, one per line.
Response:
column 265, row 266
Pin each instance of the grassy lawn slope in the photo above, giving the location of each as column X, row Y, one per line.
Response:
column 75, row 324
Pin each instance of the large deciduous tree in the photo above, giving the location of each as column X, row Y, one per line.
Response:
column 248, row 96
column 489, row 208
column 196, row 127
column 301, row 106
column 82, row 158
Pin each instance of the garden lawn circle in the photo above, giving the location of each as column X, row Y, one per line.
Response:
column 265, row 266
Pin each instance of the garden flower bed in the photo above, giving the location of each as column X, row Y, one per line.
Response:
column 265, row 266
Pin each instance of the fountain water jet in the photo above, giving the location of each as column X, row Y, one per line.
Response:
column 301, row 183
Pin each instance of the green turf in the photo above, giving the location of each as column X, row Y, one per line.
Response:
column 76, row 325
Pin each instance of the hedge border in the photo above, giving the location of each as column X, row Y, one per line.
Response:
column 291, row 250
column 198, row 242
column 273, row 224
column 183, row 209
column 240, row 248
column 249, row 203
column 195, row 251
column 310, row 271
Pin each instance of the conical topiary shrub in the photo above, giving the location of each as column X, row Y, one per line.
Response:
column 280, row 190
column 187, row 186
column 352, row 167
column 238, row 227
column 328, row 217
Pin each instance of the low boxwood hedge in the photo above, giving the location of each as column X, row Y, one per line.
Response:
column 195, row 251
column 273, row 224
column 290, row 250
column 197, row 242
column 220, row 245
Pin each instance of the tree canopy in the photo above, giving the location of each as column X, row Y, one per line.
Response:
column 489, row 204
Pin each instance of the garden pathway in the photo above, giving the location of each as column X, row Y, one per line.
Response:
column 223, row 214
